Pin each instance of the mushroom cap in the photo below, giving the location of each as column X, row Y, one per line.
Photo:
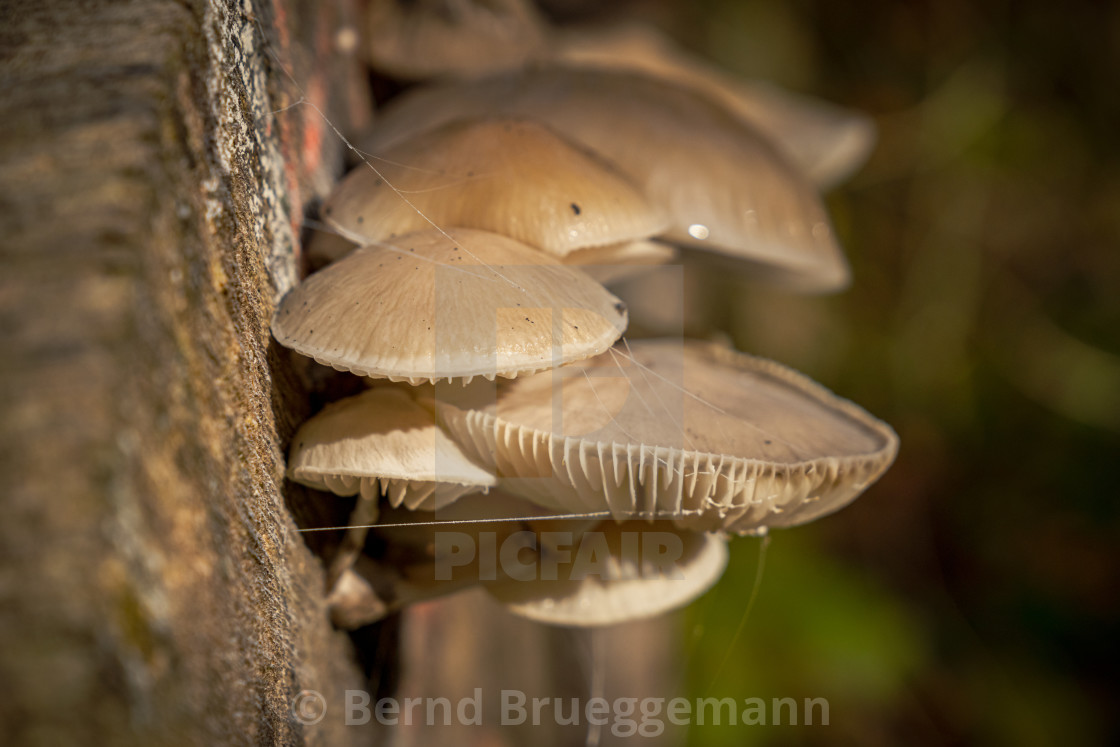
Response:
column 449, row 304
column 826, row 141
column 707, row 437
column 382, row 441
column 626, row 586
column 514, row 177
column 615, row 262
column 725, row 187
column 426, row 38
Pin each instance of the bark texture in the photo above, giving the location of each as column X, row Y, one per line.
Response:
column 153, row 588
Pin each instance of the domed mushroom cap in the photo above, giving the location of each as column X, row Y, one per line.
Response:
column 724, row 186
column 424, row 38
column 826, row 141
column 622, row 581
column 448, row 305
column 514, row 177
column 381, row 441
column 709, row 438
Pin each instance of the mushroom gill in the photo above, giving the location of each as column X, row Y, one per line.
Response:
column 708, row 438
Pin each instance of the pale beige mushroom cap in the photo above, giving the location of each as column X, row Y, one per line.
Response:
column 707, row 437
column 514, row 177
column 448, row 305
column 624, row 579
column 381, row 441
column 724, row 186
column 828, row 142
column 425, row 38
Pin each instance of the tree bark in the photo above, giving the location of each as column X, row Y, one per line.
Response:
column 153, row 587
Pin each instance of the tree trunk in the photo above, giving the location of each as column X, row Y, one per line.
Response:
column 153, row 588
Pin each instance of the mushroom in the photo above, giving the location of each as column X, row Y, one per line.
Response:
column 424, row 38
column 725, row 187
column 451, row 304
column 828, row 142
column 706, row 437
column 380, row 441
column 514, row 177
column 602, row 573
column 623, row 586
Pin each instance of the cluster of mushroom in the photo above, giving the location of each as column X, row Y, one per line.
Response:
column 476, row 245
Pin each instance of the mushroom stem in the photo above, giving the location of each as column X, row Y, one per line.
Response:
column 354, row 540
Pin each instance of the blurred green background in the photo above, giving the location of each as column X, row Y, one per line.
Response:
column 972, row 595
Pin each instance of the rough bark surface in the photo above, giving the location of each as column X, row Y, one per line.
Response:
column 153, row 588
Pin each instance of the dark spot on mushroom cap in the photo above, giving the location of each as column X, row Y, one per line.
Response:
column 767, row 442
column 620, row 307
column 361, row 219
column 575, row 209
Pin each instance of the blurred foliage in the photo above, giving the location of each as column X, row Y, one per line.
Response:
column 971, row 595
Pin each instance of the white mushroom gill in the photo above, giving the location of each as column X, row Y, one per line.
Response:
column 705, row 437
